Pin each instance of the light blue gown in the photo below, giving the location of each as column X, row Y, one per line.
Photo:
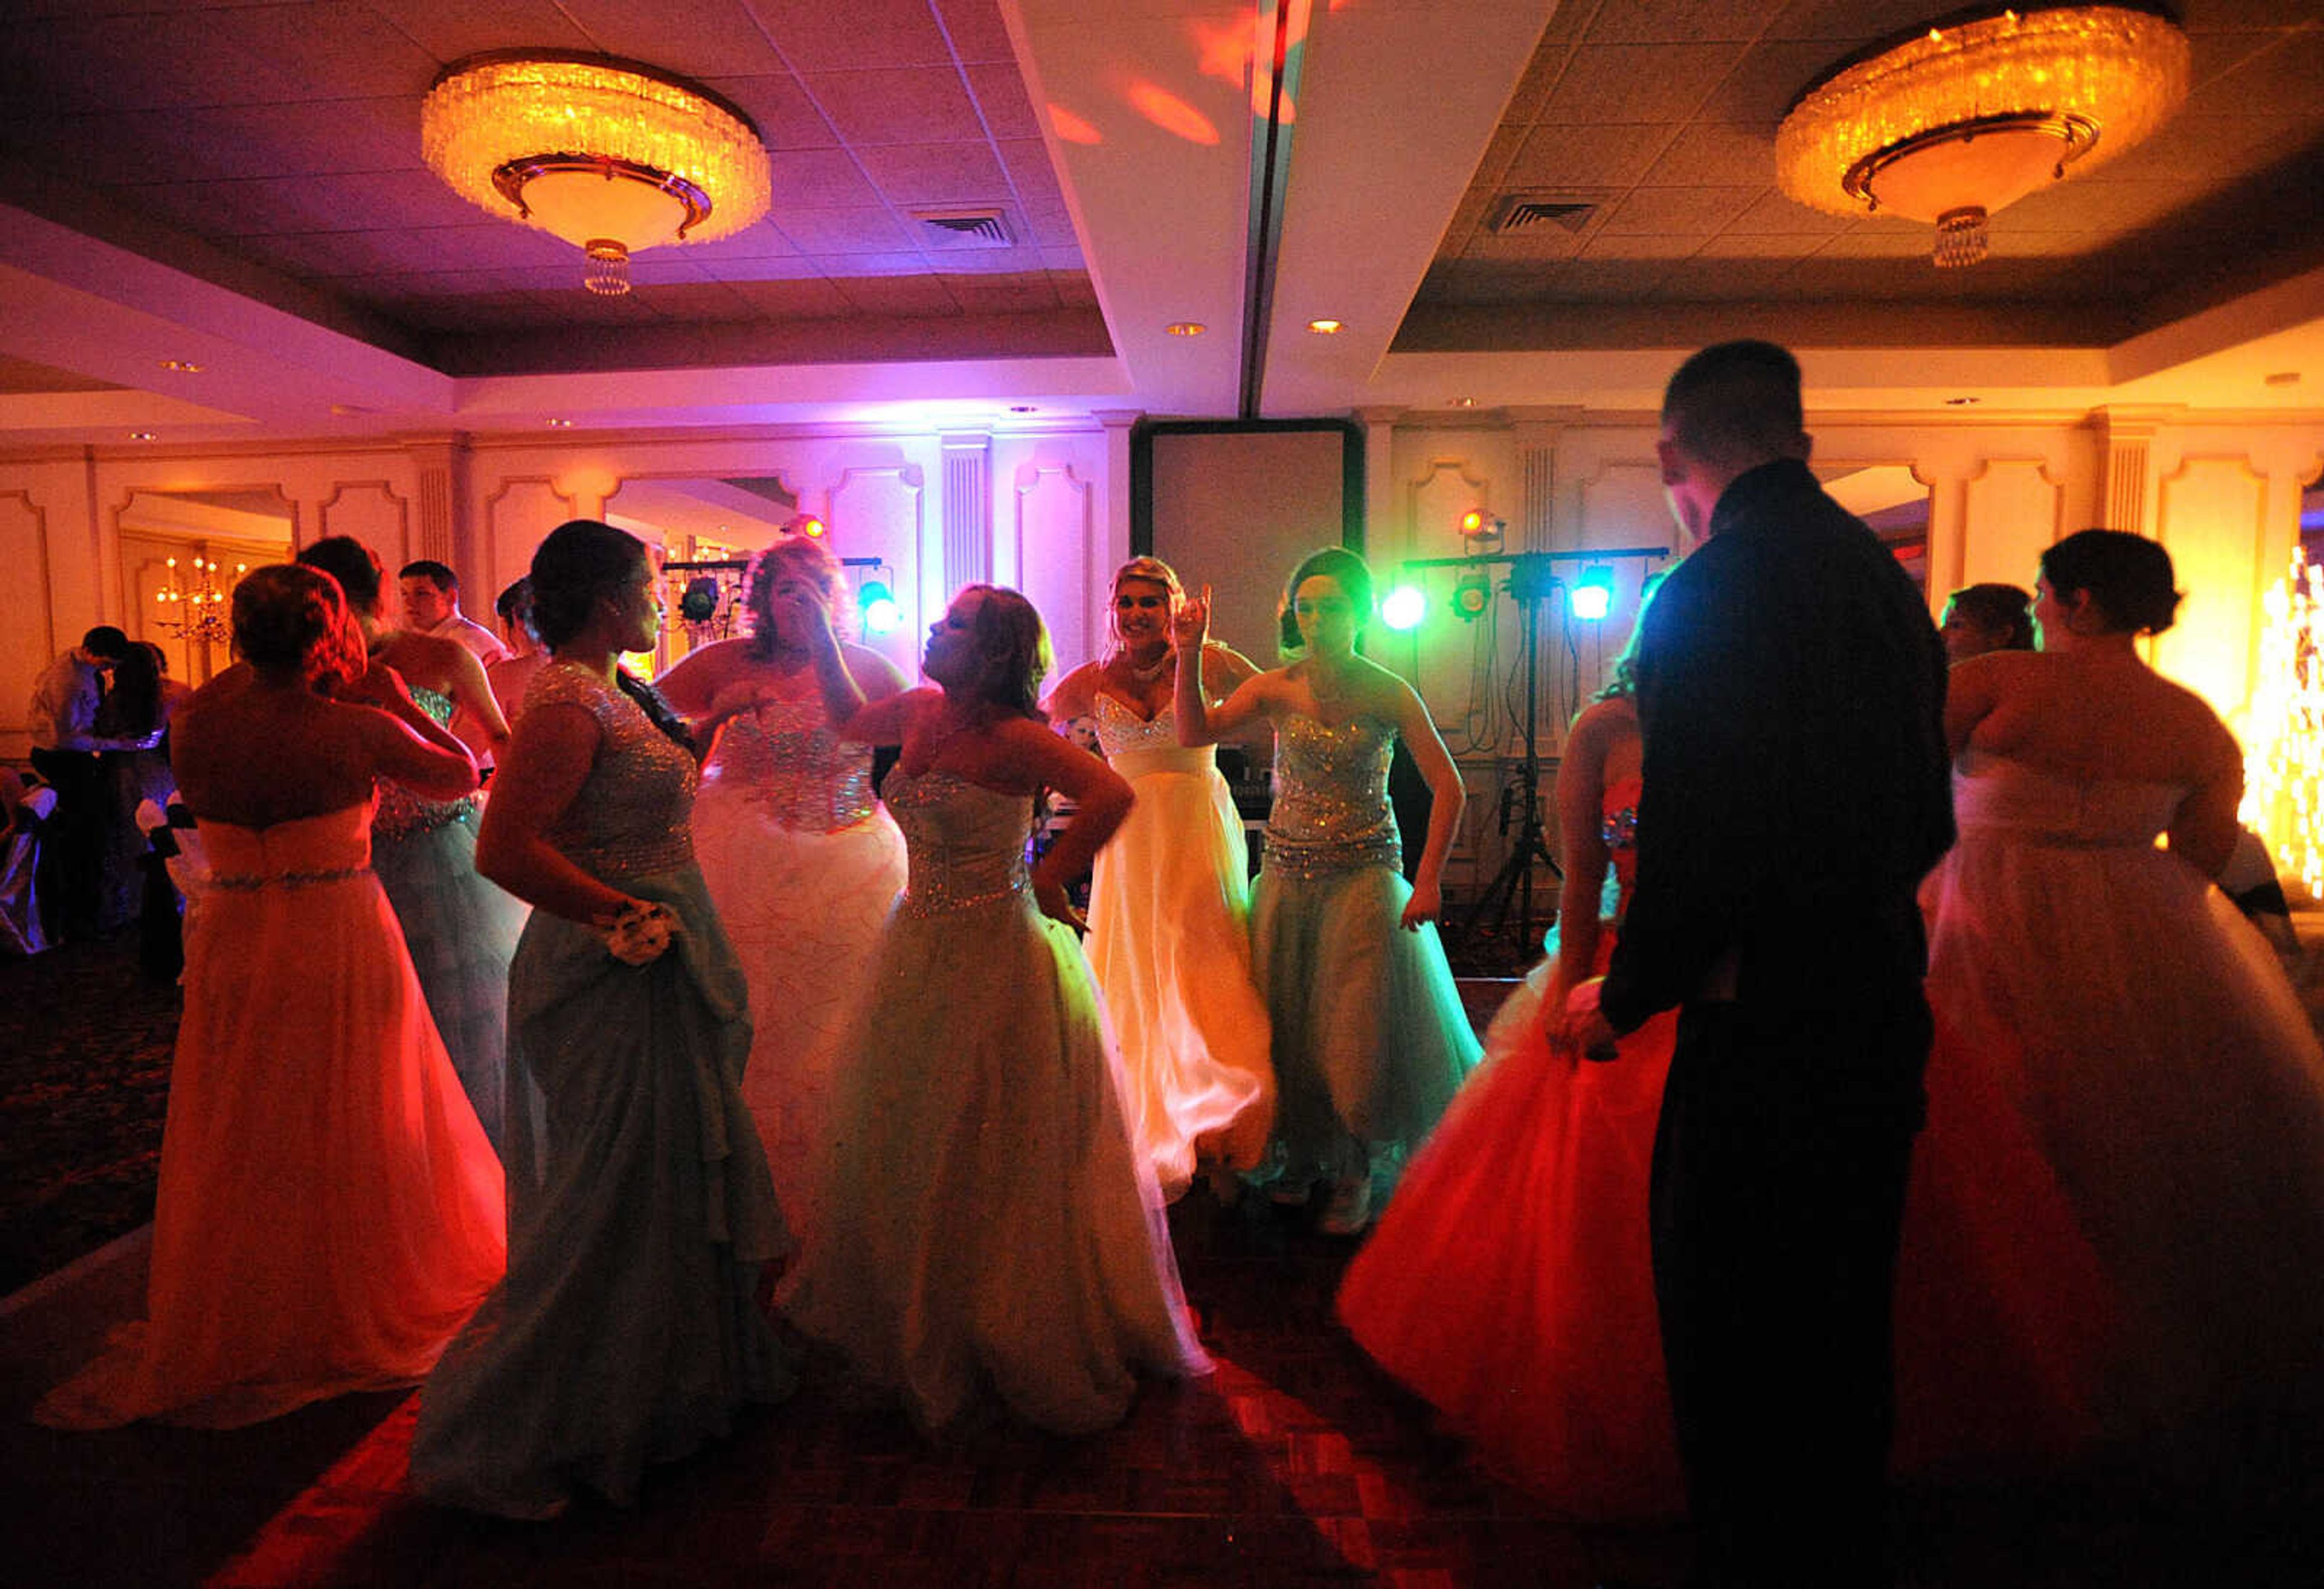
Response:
column 460, row 927
column 1371, row 1038
column 640, row 1206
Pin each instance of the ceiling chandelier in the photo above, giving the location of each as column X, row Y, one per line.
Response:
column 608, row 154
column 1977, row 111
column 195, row 610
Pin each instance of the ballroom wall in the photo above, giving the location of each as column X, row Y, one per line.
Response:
column 1047, row 508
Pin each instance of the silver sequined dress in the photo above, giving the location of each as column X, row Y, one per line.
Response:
column 640, row 1208
column 1371, row 1038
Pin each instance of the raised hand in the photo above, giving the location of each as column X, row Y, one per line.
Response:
column 1190, row 622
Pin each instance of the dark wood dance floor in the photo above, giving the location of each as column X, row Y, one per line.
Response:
column 1297, row 1464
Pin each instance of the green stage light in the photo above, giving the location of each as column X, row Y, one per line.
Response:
column 1405, row 608
column 1473, row 596
column 1592, row 595
column 875, row 605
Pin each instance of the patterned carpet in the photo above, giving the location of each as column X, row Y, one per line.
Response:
column 84, row 1045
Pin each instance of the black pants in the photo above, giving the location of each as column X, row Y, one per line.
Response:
column 72, row 849
column 1778, row 1203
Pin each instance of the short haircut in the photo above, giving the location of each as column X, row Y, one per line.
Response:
column 1736, row 405
column 353, row 565
column 105, row 640
column 437, row 573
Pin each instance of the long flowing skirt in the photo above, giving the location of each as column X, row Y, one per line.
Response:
column 1370, row 1039
column 1510, row 1283
column 329, row 1210
column 1169, row 943
column 804, row 911
column 990, row 1232
column 461, row 928
column 640, row 1213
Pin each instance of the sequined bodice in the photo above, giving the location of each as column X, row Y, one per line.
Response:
column 1618, row 829
column 630, row 817
column 1994, row 796
column 330, row 847
column 1136, row 745
column 1331, row 811
column 783, row 755
column 964, row 843
column 402, row 813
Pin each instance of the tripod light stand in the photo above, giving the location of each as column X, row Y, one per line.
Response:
column 1532, row 582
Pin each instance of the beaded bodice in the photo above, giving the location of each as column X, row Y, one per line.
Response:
column 1618, row 829
column 785, row 756
column 630, row 817
column 402, row 813
column 1135, row 746
column 1331, row 811
column 964, row 844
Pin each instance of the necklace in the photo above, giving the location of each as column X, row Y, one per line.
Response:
column 1149, row 675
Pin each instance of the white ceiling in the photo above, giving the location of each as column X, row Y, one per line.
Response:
column 236, row 184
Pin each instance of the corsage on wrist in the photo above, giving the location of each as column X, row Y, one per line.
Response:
column 640, row 934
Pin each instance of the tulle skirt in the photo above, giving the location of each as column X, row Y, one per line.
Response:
column 1370, row 1039
column 804, row 911
column 989, row 1233
column 1169, row 943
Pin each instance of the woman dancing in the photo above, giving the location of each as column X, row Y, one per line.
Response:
column 329, row 1210
column 460, row 928
column 802, row 859
column 989, row 1229
column 1509, row 1282
column 640, row 1215
column 2106, row 1015
column 1370, row 1041
column 1169, row 934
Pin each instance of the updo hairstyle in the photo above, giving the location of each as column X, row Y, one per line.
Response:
column 1337, row 563
column 2129, row 578
column 582, row 562
column 289, row 619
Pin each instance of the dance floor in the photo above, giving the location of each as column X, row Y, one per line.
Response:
column 1295, row 1464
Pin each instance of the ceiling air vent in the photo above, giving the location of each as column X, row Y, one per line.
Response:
column 962, row 228
column 1521, row 212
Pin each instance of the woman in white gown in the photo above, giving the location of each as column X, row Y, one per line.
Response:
column 2107, row 1017
column 1169, row 913
column 990, row 1232
column 802, row 859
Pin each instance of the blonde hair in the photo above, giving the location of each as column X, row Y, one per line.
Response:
column 1152, row 570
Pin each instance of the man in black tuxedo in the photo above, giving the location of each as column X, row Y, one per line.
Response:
column 1792, row 694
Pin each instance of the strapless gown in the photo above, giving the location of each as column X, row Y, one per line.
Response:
column 1169, row 943
column 460, row 926
column 1510, row 1284
column 639, row 1209
column 1370, row 1039
column 329, row 1211
column 803, row 863
column 2126, row 1115
column 990, row 1231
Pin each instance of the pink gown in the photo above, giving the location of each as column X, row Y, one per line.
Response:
column 330, row 1212
column 1510, row 1283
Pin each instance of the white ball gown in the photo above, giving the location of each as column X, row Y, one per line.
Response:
column 990, row 1232
column 330, row 1212
column 2114, row 1035
column 802, row 863
column 1169, row 943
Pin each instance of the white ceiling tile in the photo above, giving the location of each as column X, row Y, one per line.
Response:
column 909, row 297
column 817, row 179
column 1718, row 154
column 907, row 105
column 935, row 173
column 1672, row 22
column 698, row 39
column 976, row 30
column 1690, row 212
column 779, row 108
column 824, row 36
column 801, row 299
column 451, row 29
column 1001, row 94
column 1609, row 83
column 866, row 230
column 1595, row 157
column 1767, row 81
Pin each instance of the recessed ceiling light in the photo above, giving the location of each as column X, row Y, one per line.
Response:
column 1465, row 402
column 559, row 424
column 1323, row 327
column 1022, row 409
column 1962, row 402
column 141, row 436
column 182, row 366
column 2284, row 378
column 1186, row 328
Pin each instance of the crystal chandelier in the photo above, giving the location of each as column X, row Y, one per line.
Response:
column 195, row 610
column 1971, row 114
column 609, row 155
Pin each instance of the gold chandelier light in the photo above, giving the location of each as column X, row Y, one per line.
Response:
column 1977, row 110
column 608, row 154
